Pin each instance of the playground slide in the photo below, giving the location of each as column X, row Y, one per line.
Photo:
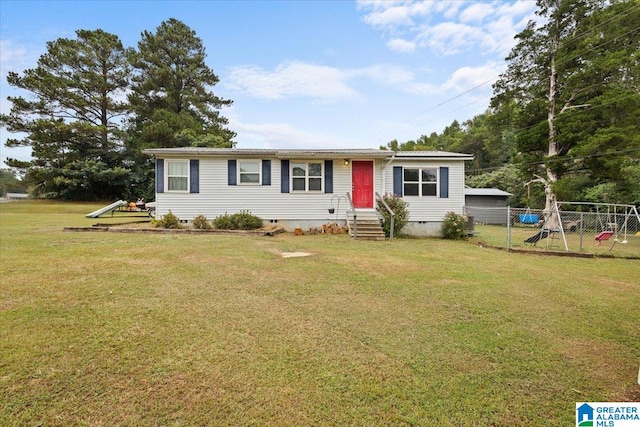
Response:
column 112, row 206
column 542, row 234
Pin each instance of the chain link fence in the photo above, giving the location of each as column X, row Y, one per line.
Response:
column 602, row 230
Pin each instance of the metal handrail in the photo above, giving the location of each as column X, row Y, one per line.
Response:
column 355, row 216
column 393, row 215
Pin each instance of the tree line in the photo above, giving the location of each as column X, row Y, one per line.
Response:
column 563, row 122
column 94, row 105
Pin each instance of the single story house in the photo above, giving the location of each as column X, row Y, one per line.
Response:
column 486, row 205
column 296, row 188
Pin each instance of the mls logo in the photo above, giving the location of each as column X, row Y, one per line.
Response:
column 584, row 415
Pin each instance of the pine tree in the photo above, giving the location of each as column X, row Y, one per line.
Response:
column 171, row 96
column 563, row 74
column 71, row 119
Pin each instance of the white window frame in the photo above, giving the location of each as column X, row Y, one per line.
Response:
column 420, row 181
column 306, row 176
column 169, row 176
column 240, row 173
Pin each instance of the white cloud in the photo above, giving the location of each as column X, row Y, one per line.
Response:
column 14, row 57
column 387, row 74
column 388, row 15
column 281, row 136
column 448, row 27
column 519, row 8
column 461, row 80
column 397, row 14
column 476, row 12
column 283, row 83
column 293, row 79
column 450, row 38
column 401, row 45
column 324, row 84
column 466, row 78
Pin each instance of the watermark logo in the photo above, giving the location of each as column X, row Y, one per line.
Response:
column 608, row 414
column 584, row 417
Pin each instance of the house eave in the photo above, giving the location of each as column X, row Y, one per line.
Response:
column 279, row 154
column 432, row 155
column 346, row 154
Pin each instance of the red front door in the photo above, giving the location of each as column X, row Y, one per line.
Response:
column 362, row 183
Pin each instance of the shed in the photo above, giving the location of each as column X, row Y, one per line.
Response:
column 486, row 205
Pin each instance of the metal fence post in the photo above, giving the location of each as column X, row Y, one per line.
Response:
column 508, row 228
column 581, row 229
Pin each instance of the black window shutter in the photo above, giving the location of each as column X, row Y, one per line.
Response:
column 328, row 176
column 284, row 176
column 194, row 176
column 397, row 181
column 232, row 172
column 266, row 172
column 159, row 175
column 444, row 182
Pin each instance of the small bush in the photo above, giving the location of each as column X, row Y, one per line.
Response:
column 167, row 221
column 401, row 210
column 201, row 223
column 223, row 222
column 453, row 226
column 239, row 221
column 245, row 221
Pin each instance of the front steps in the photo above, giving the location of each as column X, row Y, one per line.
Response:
column 369, row 225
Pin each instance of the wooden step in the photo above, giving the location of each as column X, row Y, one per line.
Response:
column 369, row 226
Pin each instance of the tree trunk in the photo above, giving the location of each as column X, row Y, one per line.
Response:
column 552, row 177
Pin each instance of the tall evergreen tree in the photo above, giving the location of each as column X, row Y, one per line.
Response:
column 71, row 120
column 171, row 95
column 563, row 74
column 171, row 99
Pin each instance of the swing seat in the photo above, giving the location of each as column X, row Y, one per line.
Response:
column 528, row 218
column 603, row 235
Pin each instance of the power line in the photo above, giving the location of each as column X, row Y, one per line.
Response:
column 453, row 98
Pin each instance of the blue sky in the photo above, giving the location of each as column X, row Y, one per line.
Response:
column 306, row 74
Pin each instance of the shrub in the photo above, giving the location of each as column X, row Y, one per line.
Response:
column 453, row 226
column 245, row 221
column 168, row 221
column 201, row 223
column 401, row 210
column 223, row 222
column 238, row 221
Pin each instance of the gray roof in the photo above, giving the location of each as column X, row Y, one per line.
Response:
column 368, row 153
column 485, row 192
column 432, row 155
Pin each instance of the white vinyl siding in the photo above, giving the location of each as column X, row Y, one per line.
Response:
column 431, row 209
column 216, row 197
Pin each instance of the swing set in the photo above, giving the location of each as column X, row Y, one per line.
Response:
column 611, row 221
column 551, row 228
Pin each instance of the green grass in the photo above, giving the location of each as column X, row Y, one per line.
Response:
column 107, row 329
column 497, row 236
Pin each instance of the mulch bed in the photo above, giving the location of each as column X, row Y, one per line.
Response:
column 135, row 227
